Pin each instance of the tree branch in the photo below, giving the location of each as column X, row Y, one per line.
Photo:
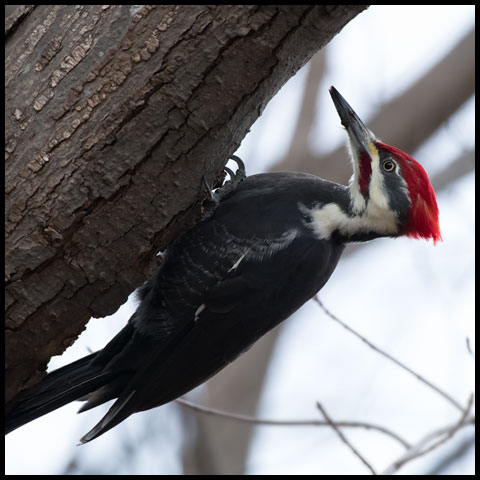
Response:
column 425, row 445
column 445, row 395
column 289, row 423
column 344, row 439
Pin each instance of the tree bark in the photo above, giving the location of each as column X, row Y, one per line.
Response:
column 114, row 114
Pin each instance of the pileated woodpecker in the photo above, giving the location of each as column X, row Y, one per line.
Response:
column 267, row 245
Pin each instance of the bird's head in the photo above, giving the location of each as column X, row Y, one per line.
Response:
column 389, row 190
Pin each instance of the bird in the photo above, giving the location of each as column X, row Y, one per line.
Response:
column 266, row 244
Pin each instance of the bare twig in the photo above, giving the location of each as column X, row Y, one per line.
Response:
column 387, row 355
column 345, row 440
column 299, row 423
column 425, row 445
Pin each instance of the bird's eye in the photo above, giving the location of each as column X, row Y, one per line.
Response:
column 388, row 165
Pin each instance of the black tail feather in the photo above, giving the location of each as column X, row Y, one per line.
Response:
column 58, row 388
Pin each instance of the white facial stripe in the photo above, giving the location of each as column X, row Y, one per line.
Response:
column 376, row 190
column 330, row 217
column 327, row 219
column 358, row 200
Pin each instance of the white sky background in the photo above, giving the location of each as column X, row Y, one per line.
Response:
column 412, row 299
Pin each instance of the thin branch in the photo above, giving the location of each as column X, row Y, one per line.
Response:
column 387, row 355
column 294, row 423
column 344, row 439
column 425, row 446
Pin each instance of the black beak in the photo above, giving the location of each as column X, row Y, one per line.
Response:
column 360, row 135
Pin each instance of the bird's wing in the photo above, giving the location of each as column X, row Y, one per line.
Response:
column 237, row 310
column 222, row 285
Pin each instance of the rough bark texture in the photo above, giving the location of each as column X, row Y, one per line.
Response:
column 113, row 115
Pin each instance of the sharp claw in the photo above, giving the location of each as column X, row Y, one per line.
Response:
column 230, row 172
column 239, row 162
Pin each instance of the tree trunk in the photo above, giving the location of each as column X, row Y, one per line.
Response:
column 113, row 115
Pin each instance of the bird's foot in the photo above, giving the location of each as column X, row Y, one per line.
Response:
column 235, row 178
column 215, row 196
